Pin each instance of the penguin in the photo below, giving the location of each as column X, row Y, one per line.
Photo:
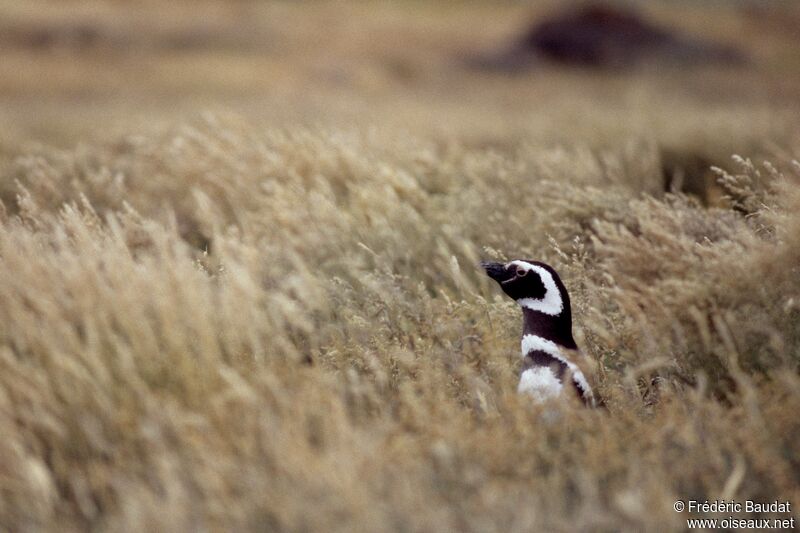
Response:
column 549, row 352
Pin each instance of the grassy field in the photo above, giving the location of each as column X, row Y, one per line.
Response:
column 239, row 282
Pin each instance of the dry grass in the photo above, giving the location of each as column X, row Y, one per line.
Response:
column 335, row 358
column 229, row 323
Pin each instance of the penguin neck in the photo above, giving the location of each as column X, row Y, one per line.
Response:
column 557, row 329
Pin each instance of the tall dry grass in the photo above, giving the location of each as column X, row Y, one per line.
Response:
column 225, row 327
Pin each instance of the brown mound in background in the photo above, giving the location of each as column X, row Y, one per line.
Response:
column 600, row 35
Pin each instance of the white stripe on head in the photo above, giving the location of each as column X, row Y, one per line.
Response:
column 540, row 383
column 534, row 342
column 551, row 303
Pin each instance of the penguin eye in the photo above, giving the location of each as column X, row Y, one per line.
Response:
column 521, row 272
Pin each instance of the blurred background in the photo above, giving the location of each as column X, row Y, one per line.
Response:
column 712, row 75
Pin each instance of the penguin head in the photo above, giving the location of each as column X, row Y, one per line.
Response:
column 534, row 285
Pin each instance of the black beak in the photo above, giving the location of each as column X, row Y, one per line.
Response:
column 496, row 271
